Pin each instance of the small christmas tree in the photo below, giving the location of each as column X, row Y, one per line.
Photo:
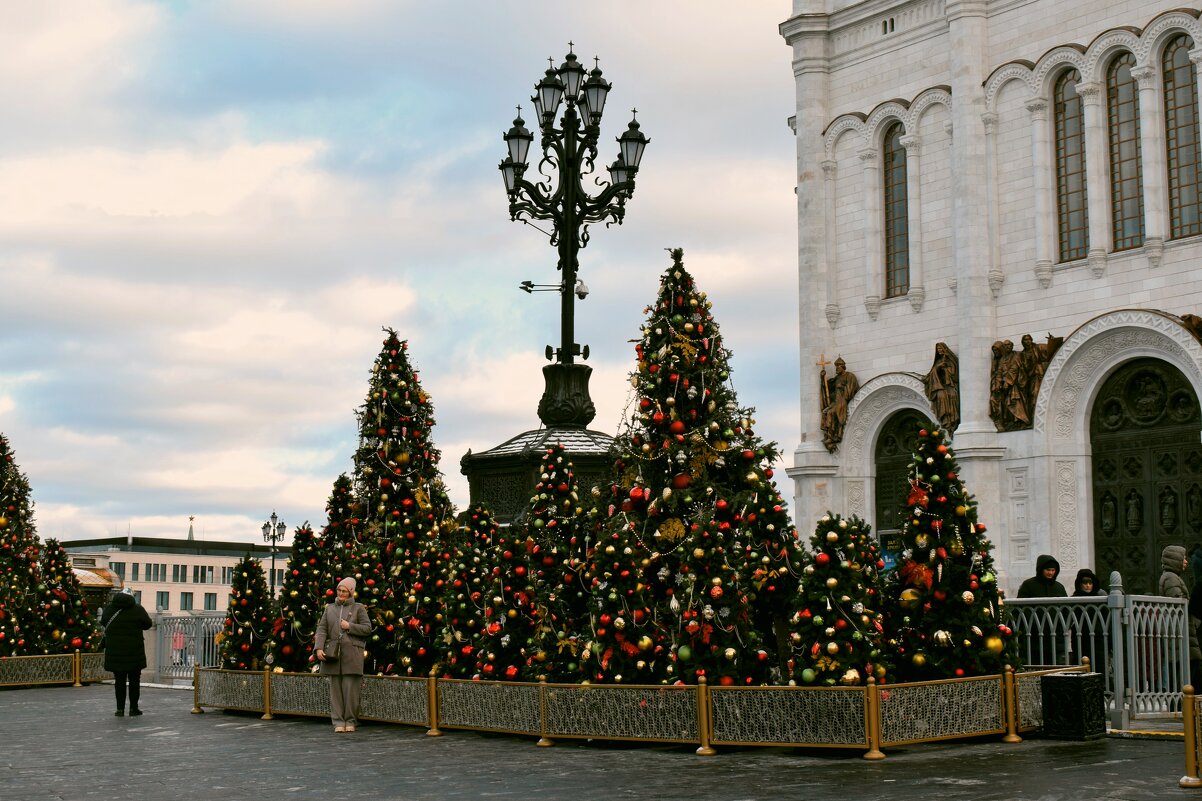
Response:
column 465, row 599
column 340, row 538
column 697, row 561
column 19, row 611
column 66, row 624
column 837, row 629
column 247, row 627
column 557, row 525
column 302, row 602
column 944, row 616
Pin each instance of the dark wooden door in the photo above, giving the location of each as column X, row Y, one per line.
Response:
column 894, row 449
column 1147, row 471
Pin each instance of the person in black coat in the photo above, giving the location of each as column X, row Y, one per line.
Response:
column 1043, row 584
column 123, row 621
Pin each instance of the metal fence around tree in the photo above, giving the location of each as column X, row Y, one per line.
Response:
column 1140, row 643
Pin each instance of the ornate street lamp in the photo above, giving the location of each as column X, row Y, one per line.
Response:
column 274, row 531
column 560, row 193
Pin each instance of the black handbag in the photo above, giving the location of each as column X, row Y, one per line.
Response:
column 332, row 650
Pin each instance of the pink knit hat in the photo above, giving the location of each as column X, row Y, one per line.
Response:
column 347, row 582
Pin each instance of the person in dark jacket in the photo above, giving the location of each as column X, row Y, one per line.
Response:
column 123, row 621
column 1173, row 563
column 1087, row 584
column 1043, row 584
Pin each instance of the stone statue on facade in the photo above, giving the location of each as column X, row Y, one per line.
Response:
column 837, row 393
column 1015, row 380
column 942, row 385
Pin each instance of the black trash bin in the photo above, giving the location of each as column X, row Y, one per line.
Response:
column 1074, row 705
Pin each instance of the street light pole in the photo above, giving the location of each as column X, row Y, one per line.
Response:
column 274, row 530
column 559, row 194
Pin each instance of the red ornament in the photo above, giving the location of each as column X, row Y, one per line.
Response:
column 677, row 427
column 823, row 558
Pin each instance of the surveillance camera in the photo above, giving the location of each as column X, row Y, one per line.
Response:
column 581, row 289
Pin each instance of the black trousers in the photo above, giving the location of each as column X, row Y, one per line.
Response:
column 131, row 679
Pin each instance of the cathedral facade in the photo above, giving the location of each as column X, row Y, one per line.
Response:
column 1000, row 230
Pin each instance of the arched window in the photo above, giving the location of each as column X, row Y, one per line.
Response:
column 897, row 230
column 1181, row 137
column 1073, row 216
column 1126, row 167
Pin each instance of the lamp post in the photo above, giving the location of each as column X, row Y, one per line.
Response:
column 274, row 530
column 559, row 194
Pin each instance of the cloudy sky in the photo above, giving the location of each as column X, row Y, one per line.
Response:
column 209, row 210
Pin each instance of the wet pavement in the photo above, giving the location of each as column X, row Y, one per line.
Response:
column 65, row 743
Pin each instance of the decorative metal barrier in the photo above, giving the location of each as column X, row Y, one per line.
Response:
column 1139, row 643
column 74, row 669
column 867, row 718
column 185, row 642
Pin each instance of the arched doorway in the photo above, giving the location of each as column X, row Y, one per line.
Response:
column 1147, row 471
column 894, row 448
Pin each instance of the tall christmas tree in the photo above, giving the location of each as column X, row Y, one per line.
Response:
column 247, row 628
column 302, row 601
column 698, row 563
column 944, row 616
column 465, row 597
column 557, row 526
column 66, row 625
column 406, row 557
column 18, row 559
column 837, row 630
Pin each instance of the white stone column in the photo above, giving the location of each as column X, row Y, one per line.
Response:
column 813, row 470
column 1041, row 163
column 830, row 171
column 1097, row 188
column 1152, row 163
column 873, row 276
column 996, row 276
column 917, row 291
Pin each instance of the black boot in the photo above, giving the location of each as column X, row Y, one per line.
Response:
column 120, row 713
column 133, row 713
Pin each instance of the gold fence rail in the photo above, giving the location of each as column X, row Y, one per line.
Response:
column 868, row 717
column 1192, row 719
column 74, row 668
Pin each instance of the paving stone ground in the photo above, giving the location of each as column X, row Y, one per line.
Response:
column 65, row 743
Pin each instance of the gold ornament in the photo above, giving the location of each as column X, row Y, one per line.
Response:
column 994, row 645
column 967, row 597
column 672, row 529
column 942, row 638
column 918, row 660
column 910, row 598
column 832, row 647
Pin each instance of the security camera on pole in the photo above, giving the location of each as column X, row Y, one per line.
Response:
column 559, row 194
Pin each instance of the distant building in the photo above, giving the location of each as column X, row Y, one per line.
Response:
column 172, row 575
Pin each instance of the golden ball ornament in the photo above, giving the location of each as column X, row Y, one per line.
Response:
column 918, row 660
column 994, row 645
column 910, row 598
column 832, row 647
column 967, row 597
column 942, row 638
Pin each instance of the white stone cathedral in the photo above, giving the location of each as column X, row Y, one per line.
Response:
column 985, row 173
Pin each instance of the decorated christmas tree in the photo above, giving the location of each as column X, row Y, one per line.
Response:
column 837, row 629
column 465, row 596
column 943, row 613
column 19, row 611
column 66, row 625
column 404, row 559
column 340, row 540
column 244, row 637
column 508, row 641
column 558, row 527
column 697, row 563
column 302, row 601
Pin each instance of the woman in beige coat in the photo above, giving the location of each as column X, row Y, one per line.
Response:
column 346, row 623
